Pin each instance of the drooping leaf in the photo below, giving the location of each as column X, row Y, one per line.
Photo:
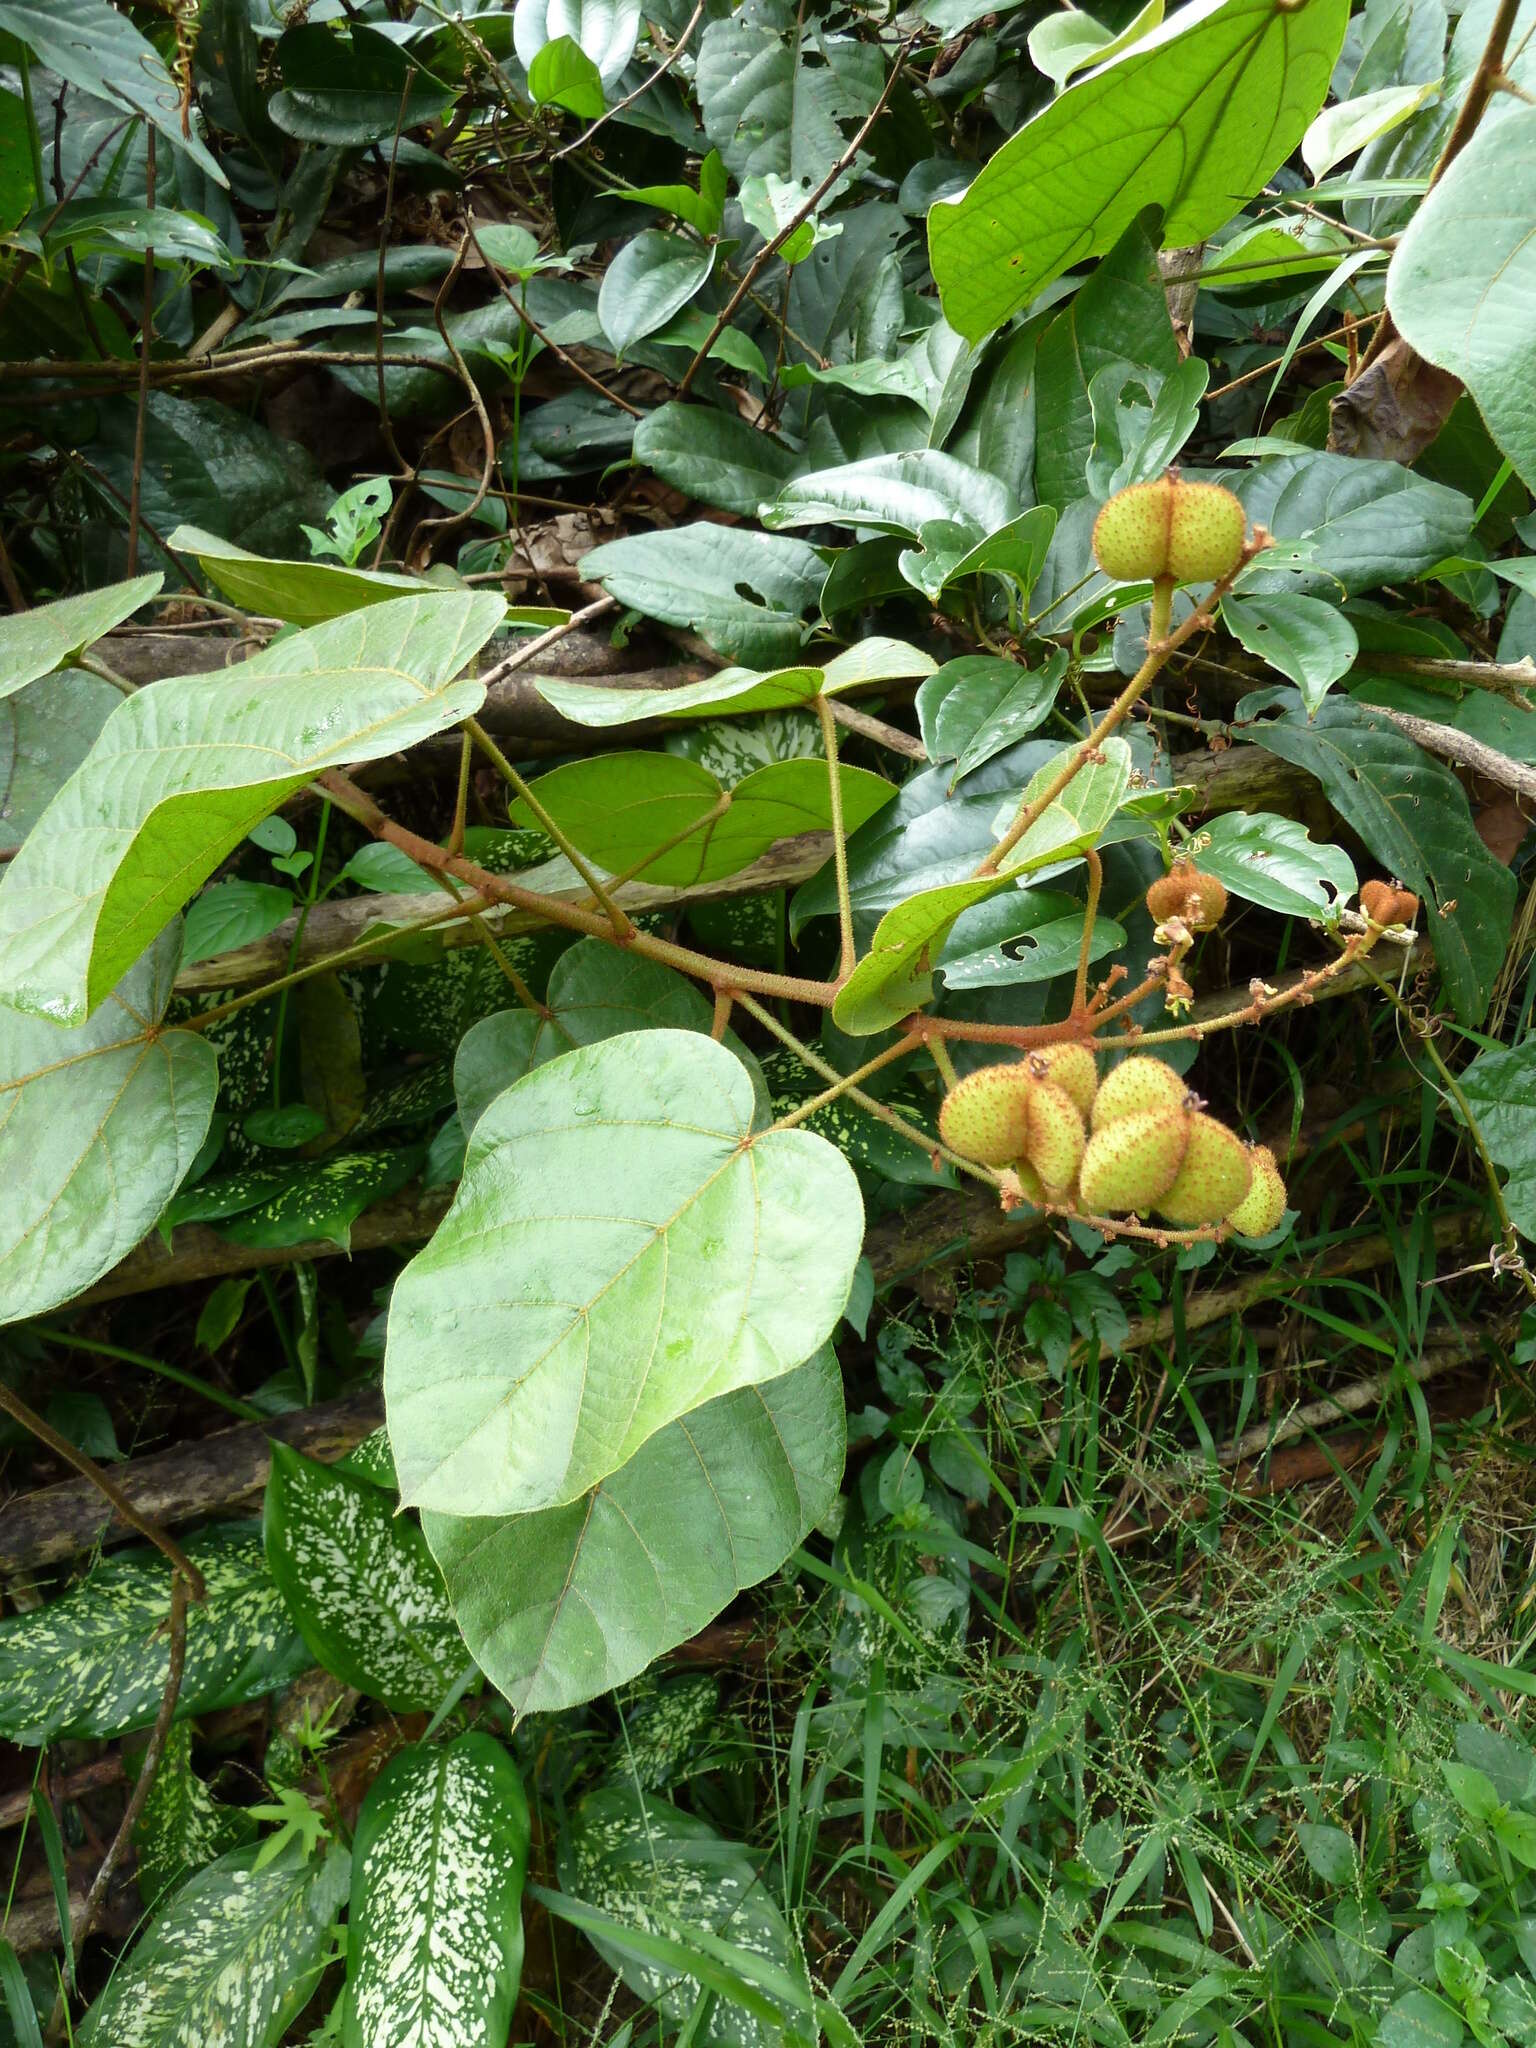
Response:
column 184, row 768
column 652, row 278
column 976, row 706
column 97, row 48
column 233, row 1958
column 1272, row 861
column 1072, row 40
column 1500, row 1085
column 628, row 1246
column 308, row 593
column 94, row 1662
column 604, row 30
column 51, row 636
column 948, row 555
column 358, row 1581
column 1191, row 118
column 435, row 1932
column 746, row 593
column 183, row 1827
column 1339, row 131
column 1412, row 813
column 346, row 91
column 98, row 1128
column 1305, row 639
column 735, row 691
column 655, row 1869
column 713, row 456
column 621, row 810
column 562, row 1605
column 1462, row 277
column 897, row 494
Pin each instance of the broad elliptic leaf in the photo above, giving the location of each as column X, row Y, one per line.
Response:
column 595, row 991
column 561, row 1606
column 1463, row 278
column 1024, row 936
column 1413, row 815
column 435, row 1930
column 765, row 108
column 896, row 975
column 1368, row 522
column 652, row 278
column 563, row 75
column 657, row 1870
column 1307, row 640
column 732, row 692
column 308, row 593
column 714, row 457
column 1500, row 1086
column 603, row 30
column 98, row 1128
column 184, row 768
column 899, row 493
column 1271, row 861
column 94, row 1661
column 1193, row 118
column 233, row 1958
column 621, row 1249
column 977, row 705
column 746, row 593
column 623, row 811
column 96, row 47
column 51, row 636
column 359, row 1583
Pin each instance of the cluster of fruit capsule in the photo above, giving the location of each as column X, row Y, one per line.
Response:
column 1139, row 1143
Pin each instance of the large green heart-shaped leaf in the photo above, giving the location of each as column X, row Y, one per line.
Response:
column 1463, row 278
column 183, row 769
column 561, row 1606
column 621, row 1250
column 233, row 1958
column 735, row 691
column 365, row 1595
column 747, row 593
column 624, row 810
column 652, row 278
column 308, row 593
column 98, row 1128
column 94, row 1662
column 435, row 1933
column 896, row 975
column 1413, row 814
column 1194, row 118
column 50, row 636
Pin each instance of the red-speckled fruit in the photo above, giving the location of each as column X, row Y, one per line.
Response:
column 1136, row 1084
column 1192, row 533
column 1213, row 1178
column 1264, row 1204
column 1073, row 1068
column 1056, row 1136
column 1130, row 1163
column 985, row 1117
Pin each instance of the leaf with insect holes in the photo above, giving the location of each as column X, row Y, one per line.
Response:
column 98, row 1127
column 656, row 1870
column 232, row 1959
column 435, row 1930
column 184, row 768
column 1274, row 862
column 621, row 1250
column 1305, row 639
column 746, row 593
column 308, row 593
column 563, row 1605
column 359, row 1583
column 94, row 1662
column 895, row 976
column 50, row 636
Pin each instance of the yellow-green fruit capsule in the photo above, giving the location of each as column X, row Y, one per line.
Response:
column 1072, row 1067
column 1191, row 533
column 985, row 1117
column 1137, row 1083
column 1056, row 1136
column 1030, row 1184
column 1257, row 1214
column 1213, row 1179
column 1130, row 1163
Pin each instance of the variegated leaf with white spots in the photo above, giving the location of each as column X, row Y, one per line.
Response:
column 560, row 1606
column 95, row 1662
column 435, row 1934
column 234, row 1956
column 360, row 1583
column 182, row 1826
column 650, row 1866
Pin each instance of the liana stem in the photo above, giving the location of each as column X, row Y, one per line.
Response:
column 848, row 955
